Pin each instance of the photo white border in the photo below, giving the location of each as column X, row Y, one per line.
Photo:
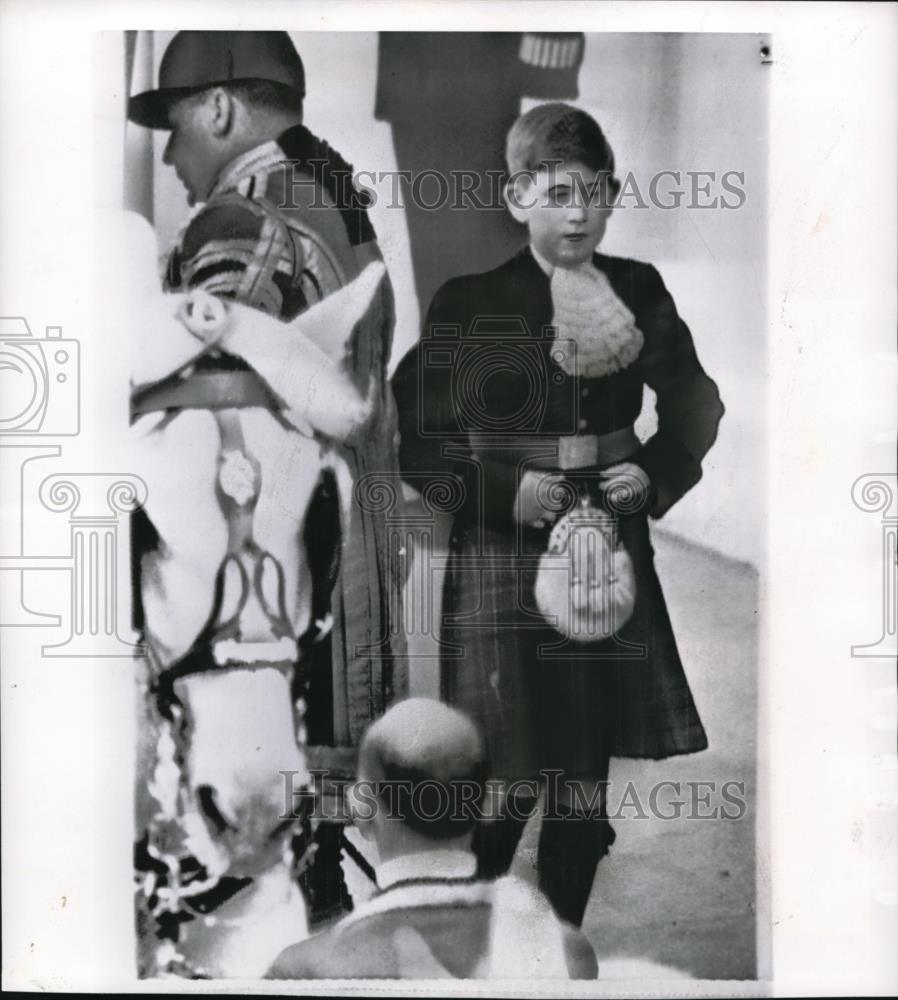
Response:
column 824, row 768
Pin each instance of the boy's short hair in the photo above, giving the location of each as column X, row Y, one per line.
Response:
column 557, row 132
column 427, row 765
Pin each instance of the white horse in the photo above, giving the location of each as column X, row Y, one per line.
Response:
column 234, row 417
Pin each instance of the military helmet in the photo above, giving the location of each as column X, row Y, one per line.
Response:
column 195, row 60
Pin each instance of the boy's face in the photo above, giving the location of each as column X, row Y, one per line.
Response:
column 566, row 208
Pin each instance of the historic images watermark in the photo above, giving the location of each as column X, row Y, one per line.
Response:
column 470, row 800
column 488, row 191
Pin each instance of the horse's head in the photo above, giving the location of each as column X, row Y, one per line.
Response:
column 237, row 699
column 247, row 498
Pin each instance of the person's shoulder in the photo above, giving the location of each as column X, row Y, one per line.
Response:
column 228, row 216
column 625, row 267
column 304, row 960
column 638, row 283
column 360, row 949
column 473, row 288
column 314, row 202
column 508, row 270
column 313, row 958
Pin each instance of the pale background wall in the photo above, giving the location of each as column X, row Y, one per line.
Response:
column 667, row 102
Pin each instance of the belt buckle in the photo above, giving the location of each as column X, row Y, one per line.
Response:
column 578, row 451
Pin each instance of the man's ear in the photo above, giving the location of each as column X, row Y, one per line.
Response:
column 222, row 110
column 520, row 195
column 362, row 806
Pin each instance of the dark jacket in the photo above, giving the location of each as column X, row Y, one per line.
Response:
column 479, row 398
column 513, row 303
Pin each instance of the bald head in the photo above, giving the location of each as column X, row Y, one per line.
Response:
column 423, row 735
column 435, row 751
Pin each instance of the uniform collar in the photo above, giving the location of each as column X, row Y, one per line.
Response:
column 427, row 865
column 293, row 144
column 253, row 161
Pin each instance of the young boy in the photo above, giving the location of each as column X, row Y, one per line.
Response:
column 550, row 353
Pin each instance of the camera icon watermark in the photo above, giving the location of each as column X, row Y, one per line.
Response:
column 503, row 380
column 39, row 381
column 68, row 574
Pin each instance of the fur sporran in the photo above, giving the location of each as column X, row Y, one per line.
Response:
column 585, row 583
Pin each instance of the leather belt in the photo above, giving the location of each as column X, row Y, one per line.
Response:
column 580, row 450
column 205, row 391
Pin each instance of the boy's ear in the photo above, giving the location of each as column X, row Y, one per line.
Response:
column 519, row 195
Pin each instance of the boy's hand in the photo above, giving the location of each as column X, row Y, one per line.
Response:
column 530, row 505
column 627, row 488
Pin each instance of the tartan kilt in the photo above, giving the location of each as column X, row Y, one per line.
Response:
column 545, row 702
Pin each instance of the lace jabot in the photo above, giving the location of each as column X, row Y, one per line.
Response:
column 587, row 310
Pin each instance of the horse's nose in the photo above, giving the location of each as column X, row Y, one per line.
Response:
column 243, row 758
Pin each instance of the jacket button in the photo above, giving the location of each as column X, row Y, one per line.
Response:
column 582, row 424
column 584, row 392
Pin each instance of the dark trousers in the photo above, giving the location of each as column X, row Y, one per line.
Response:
column 571, row 845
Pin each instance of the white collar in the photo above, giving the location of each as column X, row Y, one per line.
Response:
column 440, row 863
